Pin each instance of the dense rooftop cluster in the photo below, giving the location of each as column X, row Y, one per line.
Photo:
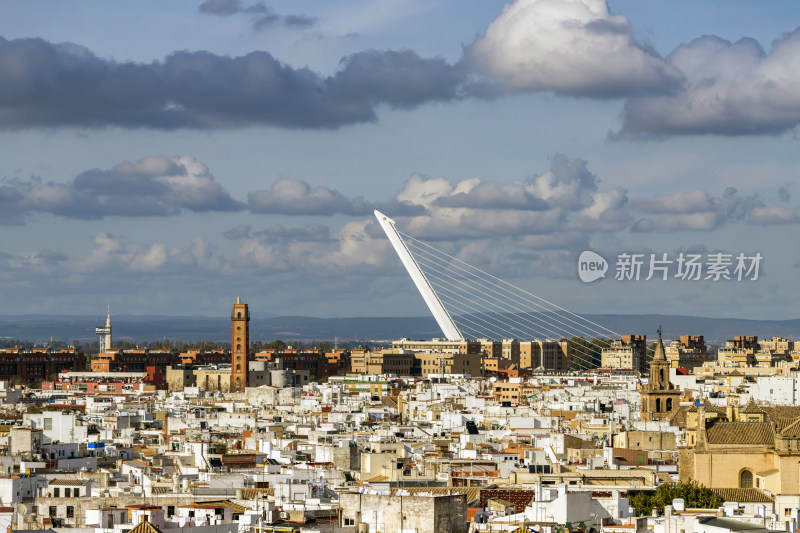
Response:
column 431, row 435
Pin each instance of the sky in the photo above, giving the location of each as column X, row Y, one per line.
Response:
column 168, row 157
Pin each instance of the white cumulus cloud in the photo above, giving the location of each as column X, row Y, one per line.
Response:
column 297, row 197
column 574, row 47
column 729, row 89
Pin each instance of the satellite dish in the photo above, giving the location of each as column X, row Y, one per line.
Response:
column 22, row 509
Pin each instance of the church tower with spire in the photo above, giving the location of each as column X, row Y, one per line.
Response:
column 240, row 345
column 660, row 397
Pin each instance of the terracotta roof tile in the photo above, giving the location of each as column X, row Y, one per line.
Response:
column 751, row 407
column 678, row 416
column 144, row 527
column 250, row 494
column 775, row 412
column 742, row 433
column 237, row 507
column 70, row 482
column 751, row 495
column 783, row 423
column 791, row 430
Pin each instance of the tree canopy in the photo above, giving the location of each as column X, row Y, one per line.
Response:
column 586, row 353
column 693, row 494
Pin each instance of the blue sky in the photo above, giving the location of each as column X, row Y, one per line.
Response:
column 168, row 157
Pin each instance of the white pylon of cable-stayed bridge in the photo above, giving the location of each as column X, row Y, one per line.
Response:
column 443, row 318
column 484, row 304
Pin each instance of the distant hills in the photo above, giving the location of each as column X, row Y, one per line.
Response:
column 145, row 328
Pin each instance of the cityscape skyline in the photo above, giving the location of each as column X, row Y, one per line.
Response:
column 244, row 152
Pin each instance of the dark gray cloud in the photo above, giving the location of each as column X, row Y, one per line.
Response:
column 50, row 257
column 708, row 86
column 179, row 182
column 695, row 210
column 308, row 233
column 22, row 197
column 67, row 85
column 262, row 16
column 643, row 225
column 242, row 231
column 154, row 186
column 296, row 197
column 569, row 183
column 299, row 21
column 395, row 208
column 113, row 182
column 574, row 241
column 269, row 20
column 735, row 206
column 220, row 7
column 272, row 20
column 401, row 79
column 166, row 186
column 10, row 196
column 492, row 195
column 41, row 262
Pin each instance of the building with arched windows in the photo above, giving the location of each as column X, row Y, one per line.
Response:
column 749, row 447
column 240, row 345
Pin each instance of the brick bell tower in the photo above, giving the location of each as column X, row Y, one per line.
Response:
column 660, row 397
column 240, row 345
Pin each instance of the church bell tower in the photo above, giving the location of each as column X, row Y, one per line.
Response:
column 240, row 345
column 660, row 398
